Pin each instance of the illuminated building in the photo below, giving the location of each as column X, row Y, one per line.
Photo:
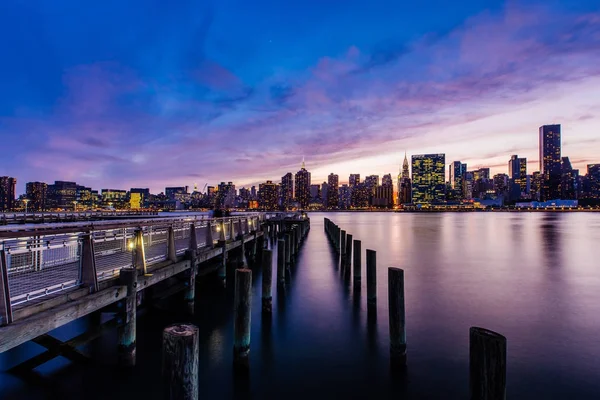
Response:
column 428, row 178
column 333, row 182
column 404, row 184
column 225, row 196
column 468, row 183
column 144, row 195
column 500, row 184
column 267, row 196
column 354, row 179
column 7, row 193
column 135, row 201
column 62, row 195
column 345, row 195
column 517, row 172
column 457, row 172
column 302, row 187
column 179, row 193
column 287, row 190
column 37, row 193
column 85, row 198
column 323, row 194
column 115, row 198
column 593, row 182
column 550, row 161
column 371, row 182
column 315, row 192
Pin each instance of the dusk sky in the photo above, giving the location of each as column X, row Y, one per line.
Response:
column 116, row 94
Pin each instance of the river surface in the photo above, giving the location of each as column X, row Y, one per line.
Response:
column 533, row 277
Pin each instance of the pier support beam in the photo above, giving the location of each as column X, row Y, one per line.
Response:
column 127, row 315
column 242, row 318
column 371, row 277
column 267, row 278
column 210, row 243
column 487, row 366
column 180, row 350
column 280, row 261
column 397, row 317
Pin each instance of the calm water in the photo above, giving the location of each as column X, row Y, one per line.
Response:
column 532, row 277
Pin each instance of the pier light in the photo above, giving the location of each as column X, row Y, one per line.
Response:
column 130, row 245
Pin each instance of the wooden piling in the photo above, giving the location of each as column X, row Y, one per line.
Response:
column 288, row 249
column 371, row 277
column 280, row 261
column 180, row 350
column 267, row 278
column 343, row 245
column 292, row 244
column 242, row 318
column 348, row 250
column 127, row 315
column 189, row 294
column 222, row 271
column 357, row 261
column 487, row 365
column 397, row 317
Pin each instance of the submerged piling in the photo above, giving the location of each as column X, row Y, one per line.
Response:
column 180, row 349
column 357, row 261
column 267, row 278
column 242, row 317
column 487, row 364
column 280, row 261
column 371, row 277
column 397, row 317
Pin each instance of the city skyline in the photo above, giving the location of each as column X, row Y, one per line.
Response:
column 226, row 99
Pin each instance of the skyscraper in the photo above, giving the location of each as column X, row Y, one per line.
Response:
column 287, row 190
column 302, row 186
column 404, row 184
column 370, row 184
column 569, row 178
column 456, row 175
column 428, row 178
column 62, row 194
column 7, row 193
column 550, row 161
column 354, row 180
column 36, row 193
column 517, row 172
column 267, row 195
column 332, row 191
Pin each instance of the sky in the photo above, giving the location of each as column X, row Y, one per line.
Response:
column 149, row 93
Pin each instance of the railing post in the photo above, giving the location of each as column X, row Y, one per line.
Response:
column 89, row 277
column 127, row 315
column 193, row 238
column 139, row 254
column 171, row 252
column 5, row 306
column 222, row 231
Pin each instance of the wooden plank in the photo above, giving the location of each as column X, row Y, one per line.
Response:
column 62, row 298
column 26, row 329
column 162, row 274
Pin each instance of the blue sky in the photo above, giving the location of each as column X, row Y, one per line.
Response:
column 151, row 93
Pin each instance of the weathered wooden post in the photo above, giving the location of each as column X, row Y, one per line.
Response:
column 191, row 254
column 5, row 305
column 348, row 250
column 127, row 316
column 343, row 245
column 242, row 319
column 357, row 261
column 286, row 237
column 397, row 317
column 172, row 252
column 487, row 365
column 180, row 349
column 280, row 261
column 292, row 244
column 267, row 278
column 210, row 243
column 371, row 277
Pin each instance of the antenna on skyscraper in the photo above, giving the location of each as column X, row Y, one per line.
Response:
column 303, row 162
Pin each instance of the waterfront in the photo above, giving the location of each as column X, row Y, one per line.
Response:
column 530, row 276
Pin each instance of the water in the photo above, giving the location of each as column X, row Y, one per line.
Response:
column 530, row 276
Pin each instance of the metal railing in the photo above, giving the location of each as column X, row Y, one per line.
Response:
column 43, row 260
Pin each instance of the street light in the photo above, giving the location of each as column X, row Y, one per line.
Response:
column 26, row 201
column 74, row 205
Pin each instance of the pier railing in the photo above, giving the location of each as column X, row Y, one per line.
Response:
column 44, row 259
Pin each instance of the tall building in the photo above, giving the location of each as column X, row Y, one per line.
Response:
column 115, row 198
column 324, row 194
column 371, row 182
column 302, row 186
column 500, row 183
column 176, row 193
column 315, row 192
column 287, row 190
column 7, row 193
column 267, row 195
column 37, row 193
column 345, row 194
column 428, row 178
column 456, row 175
column 85, row 198
column 593, row 181
column 332, row 191
column 384, row 194
column 404, row 184
column 144, row 196
column 550, row 161
column 225, row 196
column 569, row 179
column 354, row 180
column 468, row 184
column 517, row 172
column 62, row 195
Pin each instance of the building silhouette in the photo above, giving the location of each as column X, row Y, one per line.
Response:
column 517, row 172
column 569, row 179
column 428, row 178
column 404, row 184
column 7, row 193
column 62, row 194
column 36, row 192
column 333, row 199
column 287, row 190
column 225, row 195
column 302, row 186
column 550, row 161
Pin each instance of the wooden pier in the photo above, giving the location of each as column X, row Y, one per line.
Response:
column 51, row 275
